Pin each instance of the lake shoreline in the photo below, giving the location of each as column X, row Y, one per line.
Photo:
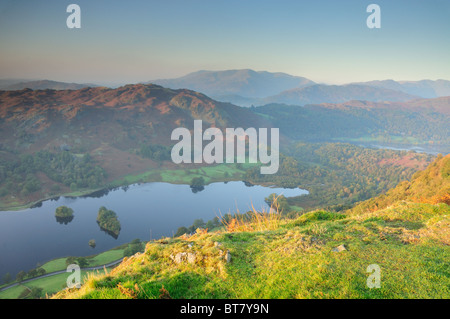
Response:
column 123, row 181
column 131, row 204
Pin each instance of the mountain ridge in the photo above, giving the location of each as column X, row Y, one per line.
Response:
column 242, row 82
column 320, row 93
column 422, row 88
column 45, row 84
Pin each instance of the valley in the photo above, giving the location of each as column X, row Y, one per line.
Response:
column 69, row 147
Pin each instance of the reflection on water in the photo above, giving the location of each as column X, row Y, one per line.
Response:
column 146, row 211
column 64, row 220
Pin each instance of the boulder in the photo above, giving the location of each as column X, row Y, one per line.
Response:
column 228, row 256
column 338, row 249
column 191, row 258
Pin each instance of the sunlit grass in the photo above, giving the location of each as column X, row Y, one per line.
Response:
column 277, row 258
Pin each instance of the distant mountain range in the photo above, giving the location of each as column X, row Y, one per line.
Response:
column 236, row 85
column 11, row 85
column 424, row 88
column 248, row 87
column 320, row 93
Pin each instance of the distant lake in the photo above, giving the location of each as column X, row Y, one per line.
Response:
column 145, row 211
column 428, row 149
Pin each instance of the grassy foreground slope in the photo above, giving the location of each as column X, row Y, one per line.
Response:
column 407, row 236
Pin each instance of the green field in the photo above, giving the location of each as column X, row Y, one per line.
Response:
column 216, row 173
column 49, row 285
column 54, row 283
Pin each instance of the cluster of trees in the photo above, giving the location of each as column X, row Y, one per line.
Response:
column 278, row 202
column 21, row 275
column 63, row 211
column 64, row 214
column 80, row 261
column 134, row 247
column 198, row 223
column 336, row 175
column 156, row 152
column 33, row 293
column 18, row 176
column 107, row 220
column 197, row 184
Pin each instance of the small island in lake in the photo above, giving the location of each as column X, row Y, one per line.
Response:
column 92, row 243
column 107, row 220
column 64, row 214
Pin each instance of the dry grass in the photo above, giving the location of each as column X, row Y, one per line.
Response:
column 258, row 221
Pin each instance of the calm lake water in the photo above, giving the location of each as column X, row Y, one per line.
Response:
column 145, row 211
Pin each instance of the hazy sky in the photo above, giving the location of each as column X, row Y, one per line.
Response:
column 133, row 41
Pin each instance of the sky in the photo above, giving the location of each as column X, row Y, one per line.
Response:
column 133, row 41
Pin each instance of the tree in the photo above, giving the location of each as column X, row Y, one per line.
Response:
column 7, row 278
column 32, row 273
column 181, row 231
column 20, row 275
column 64, row 215
column 63, row 212
column 82, row 262
column 197, row 184
column 278, row 202
column 71, row 260
column 107, row 220
column 198, row 223
column 35, row 293
column 134, row 247
column 41, row 271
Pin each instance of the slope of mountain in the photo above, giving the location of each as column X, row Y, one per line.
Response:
column 423, row 88
column 46, row 84
column 319, row 93
column 7, row 82
column 431, row 186
column 124, row 116
column 317, row 255
column 237, row 83
column 420, row 121
column 58, row 141
column 248, row 87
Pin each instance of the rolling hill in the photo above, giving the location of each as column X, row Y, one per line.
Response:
column 320, row 93
column 123, row 117
column 423, row 88
column 44, row 85
column 317, row 255
column 419, row 121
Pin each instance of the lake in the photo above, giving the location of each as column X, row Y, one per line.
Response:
column 428, row 149
column 145, row 211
